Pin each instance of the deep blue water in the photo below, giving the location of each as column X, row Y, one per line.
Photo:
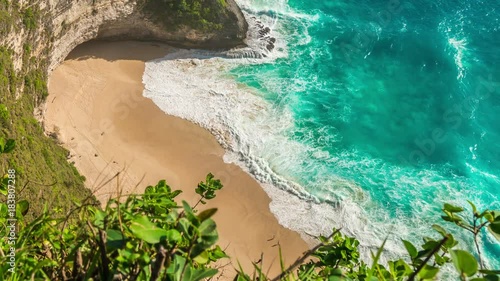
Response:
column 399, row 98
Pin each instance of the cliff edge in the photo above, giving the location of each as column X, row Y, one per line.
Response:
column 192, row 24
column 55, row 27
column 37, row 35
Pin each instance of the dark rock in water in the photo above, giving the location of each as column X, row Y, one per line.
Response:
column 272, row 40
column 270, row 47
column 263, row 32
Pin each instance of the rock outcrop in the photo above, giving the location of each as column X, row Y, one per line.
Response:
column 129, row 19
column 64, row 24
column 37, row 35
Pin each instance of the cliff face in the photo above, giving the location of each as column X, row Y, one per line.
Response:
column 75, row 22
column 61, row 25
column 36, row 35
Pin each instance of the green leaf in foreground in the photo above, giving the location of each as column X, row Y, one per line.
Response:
column 474, row 208
column 115, row 239
column 439, row 229
column 173, row 236
column 372, row 272
column 428, row 272
column 9, row 146
column 4, row 184
column 207, row 214
column 144, row 229
column 493, row 272
column 411, row 249
column 494, row 229
column 23, row 207
column 452, row 209
column 464, row 262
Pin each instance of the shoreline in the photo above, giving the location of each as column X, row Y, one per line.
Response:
column 96, row 108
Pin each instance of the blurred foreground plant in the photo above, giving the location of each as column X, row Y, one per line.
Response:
column 145, row 237
column 337, row 257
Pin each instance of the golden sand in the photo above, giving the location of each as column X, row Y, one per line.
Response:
column 97, row 109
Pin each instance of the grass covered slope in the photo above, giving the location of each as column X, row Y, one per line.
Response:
column 43, row 174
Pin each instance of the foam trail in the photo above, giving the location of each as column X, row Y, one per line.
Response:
column 459, row 46
column 238, row 118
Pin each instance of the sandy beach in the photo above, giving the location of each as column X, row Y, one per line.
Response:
column 96, row 109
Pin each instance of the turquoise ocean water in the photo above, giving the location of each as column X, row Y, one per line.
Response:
column 397, row 97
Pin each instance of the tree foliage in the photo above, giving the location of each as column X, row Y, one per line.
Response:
column 337, row 256
column 204, row 15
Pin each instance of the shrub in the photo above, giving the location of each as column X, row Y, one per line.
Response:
column 145, row 237
column 4, row 114
column 150, row 237
column 30, row 18
column 337, row 256
column 202, row 15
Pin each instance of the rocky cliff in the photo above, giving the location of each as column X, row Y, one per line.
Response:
column 75, row 22
column 36, row 35
column 55, row 27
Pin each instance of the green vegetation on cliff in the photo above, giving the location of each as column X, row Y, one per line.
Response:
column 200, row 14
column 10, row 12
column 43, row 172
column 6, row 19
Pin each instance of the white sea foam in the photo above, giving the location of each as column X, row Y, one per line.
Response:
column 452, row 28
column 241, row 121
column 459, row 46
